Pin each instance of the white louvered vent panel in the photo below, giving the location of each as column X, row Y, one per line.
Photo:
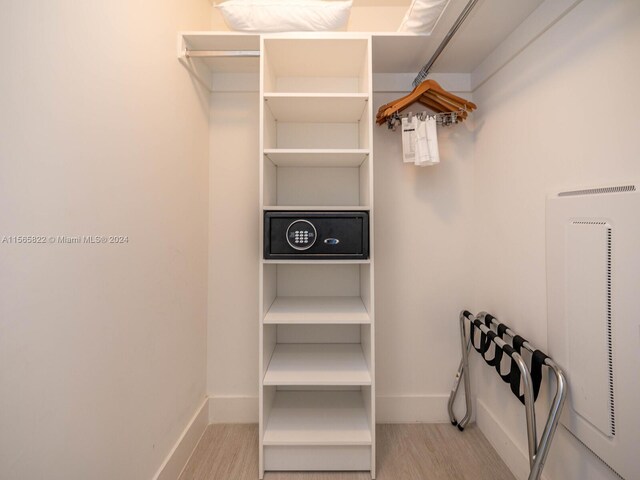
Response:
column 593, row 298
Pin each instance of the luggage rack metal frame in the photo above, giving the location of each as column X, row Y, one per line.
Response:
column 537, row 451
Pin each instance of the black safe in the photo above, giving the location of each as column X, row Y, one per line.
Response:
column 316, row 235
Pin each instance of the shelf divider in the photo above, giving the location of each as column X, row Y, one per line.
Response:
column 337, row 208
column 317, row 418
column 318, row 262
column 307, row 157
column 317, row 310
column 317, row 107
column 317, row 364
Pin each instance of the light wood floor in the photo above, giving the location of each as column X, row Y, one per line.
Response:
column 404, row 452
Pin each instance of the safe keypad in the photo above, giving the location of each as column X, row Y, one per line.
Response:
column 301, row 235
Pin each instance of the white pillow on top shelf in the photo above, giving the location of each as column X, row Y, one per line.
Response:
column 422, row 16
column 285, row 15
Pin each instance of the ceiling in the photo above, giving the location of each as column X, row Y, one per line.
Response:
column 488, row 24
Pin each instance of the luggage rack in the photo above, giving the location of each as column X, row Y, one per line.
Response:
column 531, row 379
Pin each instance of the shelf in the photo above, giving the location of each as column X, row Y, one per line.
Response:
column 227, row 41
column 317, row 310
column 319, row 208
column 314, row 57
column 317, row 364
column 317, row 418
column 319, row 262
column 317, row 107
column 208, row 40
column 317, row 157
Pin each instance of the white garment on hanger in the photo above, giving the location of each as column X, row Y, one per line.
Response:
column 409, row 139
column 432, row 139
column 423, row 155
column 427, row 152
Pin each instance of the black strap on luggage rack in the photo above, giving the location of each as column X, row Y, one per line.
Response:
column 518, row 373
column 513, row 376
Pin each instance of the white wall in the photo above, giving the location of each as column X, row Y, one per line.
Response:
column 422, row 263
column 102, row 132
column 563, row 114
column 422, row 215
column 232, row 366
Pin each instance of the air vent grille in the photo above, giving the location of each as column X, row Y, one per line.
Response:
column 612, row 417
column 596, row 191
column 609, row 335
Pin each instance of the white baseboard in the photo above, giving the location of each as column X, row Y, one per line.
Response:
column 183, row 449
column 233, row 409
column 516, row 459
column 389, row 409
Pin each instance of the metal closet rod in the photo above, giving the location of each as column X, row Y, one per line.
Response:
column 452, row 31
column 222, row 53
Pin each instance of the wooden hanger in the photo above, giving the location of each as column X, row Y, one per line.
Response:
column 400, row 104
column 430, row 94
column 430, row 88
column 438, row 90
column 440, row 106
column 460, row 105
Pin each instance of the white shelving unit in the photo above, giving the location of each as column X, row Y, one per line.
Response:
column 317, row 368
